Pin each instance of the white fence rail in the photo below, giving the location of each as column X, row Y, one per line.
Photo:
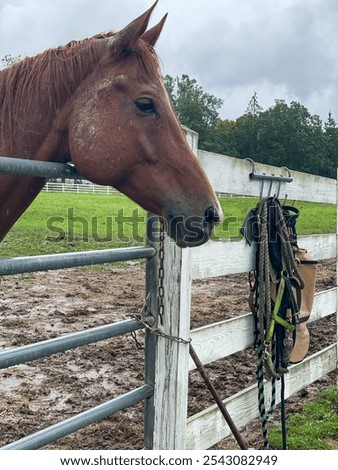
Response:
column 82, row 187
column 172, row 430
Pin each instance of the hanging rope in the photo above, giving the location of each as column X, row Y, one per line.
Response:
column 275, row 307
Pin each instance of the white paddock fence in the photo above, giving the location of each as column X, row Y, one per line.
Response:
column 78, row 187
column 216, row 341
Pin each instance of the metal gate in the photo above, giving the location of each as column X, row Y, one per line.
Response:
column 21, row 355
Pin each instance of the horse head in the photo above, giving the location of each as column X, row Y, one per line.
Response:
column 123, row 132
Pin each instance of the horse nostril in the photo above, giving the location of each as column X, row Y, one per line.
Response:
column 211, row 217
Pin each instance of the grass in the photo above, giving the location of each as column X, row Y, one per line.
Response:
column 315, row 428
column 313, row 218
column 62, row 222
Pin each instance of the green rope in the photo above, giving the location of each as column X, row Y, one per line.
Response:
column 261, row 395
column 263, row 320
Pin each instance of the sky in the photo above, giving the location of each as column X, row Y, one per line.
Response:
column 280, row 49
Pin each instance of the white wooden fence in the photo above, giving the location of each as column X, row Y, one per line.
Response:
column 172, row 429
column 82, row 187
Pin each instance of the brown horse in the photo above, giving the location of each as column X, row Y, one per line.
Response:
column 101, row 104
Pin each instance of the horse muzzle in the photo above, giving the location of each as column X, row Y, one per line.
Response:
column 192, row 231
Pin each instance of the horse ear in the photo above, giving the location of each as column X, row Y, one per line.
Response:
column 151, row 36
column 127, row 37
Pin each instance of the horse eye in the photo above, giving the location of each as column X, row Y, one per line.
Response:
column 145, row 106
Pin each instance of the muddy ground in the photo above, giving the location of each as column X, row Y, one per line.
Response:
column 44, row 305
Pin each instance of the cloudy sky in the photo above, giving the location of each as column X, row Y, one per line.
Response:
column 282, row 49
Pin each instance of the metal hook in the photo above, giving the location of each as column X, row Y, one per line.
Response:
column 285, row 199
column 252, row 166
column 261, row 191
column 270, row 187
column 271, row 178
column 287, row 169
column 289, row 175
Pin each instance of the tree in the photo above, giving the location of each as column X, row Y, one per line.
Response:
column 291, row 136
column 247, row 129
column 9, row 60
column 275, row 133
column 283, row 135
column 331, row 138
column 225, row 139
column 195, row 108
column 253, row 107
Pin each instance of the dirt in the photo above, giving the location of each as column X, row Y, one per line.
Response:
column 40, row 393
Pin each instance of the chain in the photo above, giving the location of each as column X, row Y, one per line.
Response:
column 140, row 317
column 138, row 345
column 157, row 331
column 160, row 293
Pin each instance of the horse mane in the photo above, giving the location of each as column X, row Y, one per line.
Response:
column 62, row 68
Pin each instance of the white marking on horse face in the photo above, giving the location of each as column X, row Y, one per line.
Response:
column 86, row 123
column 108, row 83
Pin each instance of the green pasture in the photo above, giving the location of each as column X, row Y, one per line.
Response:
column 61, row 222
column 315, row 428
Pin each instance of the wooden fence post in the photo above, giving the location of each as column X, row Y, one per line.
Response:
column 172, row 357
column 171, row 363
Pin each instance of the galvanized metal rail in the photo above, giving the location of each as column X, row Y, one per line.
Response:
column 24, row 167
column 25, row 264
column 81, row 420
column 30, row 352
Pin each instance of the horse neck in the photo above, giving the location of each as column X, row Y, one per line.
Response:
column 34, row 92
column 33, row 99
